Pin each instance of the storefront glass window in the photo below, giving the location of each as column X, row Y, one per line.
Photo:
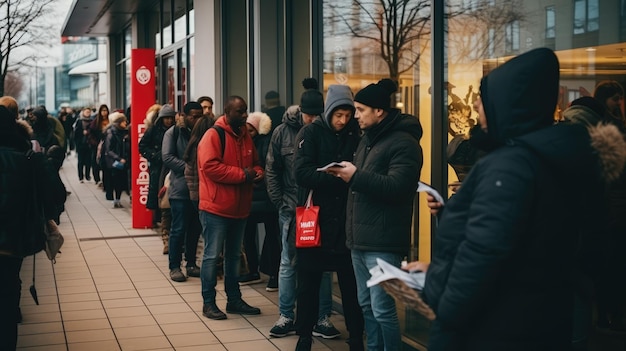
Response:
column 480, row 36
column 180, row 20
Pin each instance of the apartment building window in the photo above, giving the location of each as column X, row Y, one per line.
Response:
column 512, row 36
column 550, row 22
column 586, row 16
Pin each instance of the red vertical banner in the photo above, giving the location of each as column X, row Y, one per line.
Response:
column 142, row 96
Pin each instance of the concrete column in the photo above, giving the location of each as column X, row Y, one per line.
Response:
column 207, row 73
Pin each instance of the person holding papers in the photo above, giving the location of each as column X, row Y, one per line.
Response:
column 383, row 180
column 501, row 275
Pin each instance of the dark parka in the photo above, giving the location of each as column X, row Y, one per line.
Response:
column 80, row 139
column 260, row 199
column 279, row 163
column 380, row 203
column 502, row 256
column 116, row 145
column 175, row 143
column 318, row 145
column 23, row 175
column 150, row 147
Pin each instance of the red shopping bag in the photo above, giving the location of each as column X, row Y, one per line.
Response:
column 307, row 225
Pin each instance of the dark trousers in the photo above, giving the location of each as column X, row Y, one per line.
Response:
column 120, row 182
column 185, row 229
column 95, row 166
column 270, row 254
column 107, row 182
column 84, row 162
column 310, row 269
column 10, row 287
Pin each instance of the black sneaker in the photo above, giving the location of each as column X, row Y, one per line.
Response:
column 177, row 275
column 241, row 307
column 250, row 278
column 283, row 327
column 272, row 284
column 304, row 343
column 193, row 271
column 325, row 329
column 211, row 311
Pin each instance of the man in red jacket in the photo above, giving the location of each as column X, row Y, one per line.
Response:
column 228, row 165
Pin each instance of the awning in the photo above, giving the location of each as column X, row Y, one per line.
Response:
column 92, row 67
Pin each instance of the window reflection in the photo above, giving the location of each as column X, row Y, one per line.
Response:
column 550, row 22
column 481, row 36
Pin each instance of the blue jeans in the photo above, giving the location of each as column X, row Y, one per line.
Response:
column 287, row 271
column 379, row 309
column 219, row 232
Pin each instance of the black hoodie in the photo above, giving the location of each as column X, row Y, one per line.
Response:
column 500, row 275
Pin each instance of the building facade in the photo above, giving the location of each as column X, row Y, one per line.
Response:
column 437, row 51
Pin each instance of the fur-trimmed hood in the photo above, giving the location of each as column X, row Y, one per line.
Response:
column 606, row 140
column 580, row 146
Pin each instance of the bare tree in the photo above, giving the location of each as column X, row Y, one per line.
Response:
column 397, row 31
column 22, row 25
column 13, row 84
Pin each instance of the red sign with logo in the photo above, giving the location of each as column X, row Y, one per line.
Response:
column 142, row 96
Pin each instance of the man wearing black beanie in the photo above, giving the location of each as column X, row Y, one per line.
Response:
column 383, row 178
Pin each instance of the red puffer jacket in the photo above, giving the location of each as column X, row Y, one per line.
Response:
column 222, row 180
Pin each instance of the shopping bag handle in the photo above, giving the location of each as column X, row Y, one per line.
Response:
column 309, row 199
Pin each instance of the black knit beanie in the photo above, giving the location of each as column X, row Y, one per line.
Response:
column 377, row 95
column 312, row 100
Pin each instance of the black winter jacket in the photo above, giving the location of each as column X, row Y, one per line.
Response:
column 24, row 175
column 380, row 203
column 116, row 146
column 500, row 275
column 319, row 145
column 260, row 199
column 150, row 147
column 80, row 139
column 175, row 142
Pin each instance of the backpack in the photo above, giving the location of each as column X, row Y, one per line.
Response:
column 222, row 135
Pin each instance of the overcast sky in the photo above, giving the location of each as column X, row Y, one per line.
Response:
column 56, row 18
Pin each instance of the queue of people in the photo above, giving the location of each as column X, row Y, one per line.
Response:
column 524, row 249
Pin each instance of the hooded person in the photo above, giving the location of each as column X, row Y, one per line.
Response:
column 150, row 147
column 282, row 191
column 382, row 181
column 332, row 138
column 501, row 272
